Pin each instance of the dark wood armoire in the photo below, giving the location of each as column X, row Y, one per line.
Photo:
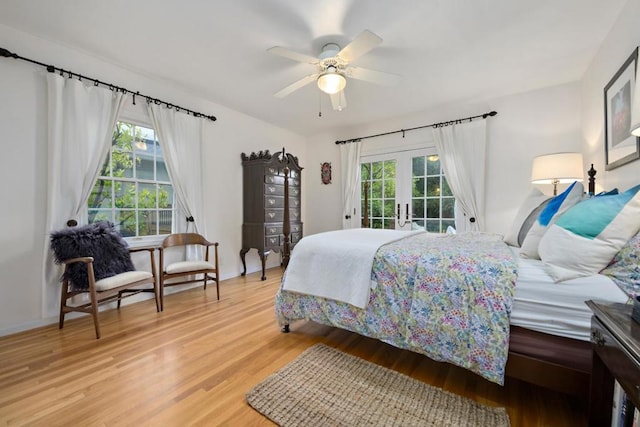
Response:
column 271, row 221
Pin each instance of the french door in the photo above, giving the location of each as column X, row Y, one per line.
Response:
column 405, row 190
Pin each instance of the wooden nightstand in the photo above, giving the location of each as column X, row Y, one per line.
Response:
column 615, row 339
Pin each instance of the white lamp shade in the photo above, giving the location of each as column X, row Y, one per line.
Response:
column 558, row 167
column 331, row 82
column 635, row 109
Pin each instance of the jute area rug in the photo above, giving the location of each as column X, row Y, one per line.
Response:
column 324, row 386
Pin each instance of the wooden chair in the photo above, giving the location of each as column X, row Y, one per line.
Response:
column 189, row 271
column 108, row 289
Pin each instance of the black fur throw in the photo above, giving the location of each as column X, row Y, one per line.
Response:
column 99, row 240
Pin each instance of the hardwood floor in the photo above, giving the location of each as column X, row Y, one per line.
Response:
column 193, row 363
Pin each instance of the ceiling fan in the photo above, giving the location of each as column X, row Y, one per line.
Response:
column 334, row 67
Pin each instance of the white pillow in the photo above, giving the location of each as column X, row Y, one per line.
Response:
column 556, row 207
column 530, row 204
column 586, row 238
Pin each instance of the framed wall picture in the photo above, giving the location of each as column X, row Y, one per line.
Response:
column 325, row 172
column 620, row 146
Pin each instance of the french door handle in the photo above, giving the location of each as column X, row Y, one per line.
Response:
column 398, row 215
column 406, row 216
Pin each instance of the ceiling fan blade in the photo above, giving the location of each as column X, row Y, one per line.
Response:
column 373, row 76
column 338, row 100
column 363, row 43
column 297, row 85
column 286, row 53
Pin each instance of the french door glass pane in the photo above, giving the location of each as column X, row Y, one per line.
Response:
column 432, row 202
column 379, row 184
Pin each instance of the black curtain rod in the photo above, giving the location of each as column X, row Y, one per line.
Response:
column 434, row 125
column 50, row 68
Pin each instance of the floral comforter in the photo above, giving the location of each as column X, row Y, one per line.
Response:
column 446, row 296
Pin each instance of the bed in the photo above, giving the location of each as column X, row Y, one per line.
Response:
column 491, row 310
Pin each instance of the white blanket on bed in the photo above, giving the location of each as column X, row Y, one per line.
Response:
column 337, row 264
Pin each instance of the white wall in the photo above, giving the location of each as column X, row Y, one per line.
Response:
column 24, row 301
column 527, row 125
column 616, row 48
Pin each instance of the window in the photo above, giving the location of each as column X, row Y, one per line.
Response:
column 431, row 199
column 133, row 190
column 406, row 190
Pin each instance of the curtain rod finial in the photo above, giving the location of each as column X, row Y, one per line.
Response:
column 6, row 53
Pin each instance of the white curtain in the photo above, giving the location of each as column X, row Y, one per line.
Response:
column 350, row 174
column 462, row 150
column 181, row 138
column 81, row 120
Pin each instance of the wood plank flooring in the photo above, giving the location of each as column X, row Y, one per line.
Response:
column 193, row 363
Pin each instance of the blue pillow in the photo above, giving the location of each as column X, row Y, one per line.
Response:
column 554, row 208
column 586, row 237
column 607, row 193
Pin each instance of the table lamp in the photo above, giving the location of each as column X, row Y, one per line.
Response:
column 557, row 168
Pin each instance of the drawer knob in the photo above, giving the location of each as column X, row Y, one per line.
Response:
column 597, row 338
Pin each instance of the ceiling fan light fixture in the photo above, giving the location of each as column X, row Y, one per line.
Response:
column 331, row 82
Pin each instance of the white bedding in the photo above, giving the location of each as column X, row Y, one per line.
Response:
column 337, row 264
column 558, row 308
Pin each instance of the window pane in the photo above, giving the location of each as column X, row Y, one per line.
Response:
column 418, row 166
column 376, row 223
column 100, row 196
column 433, row 208
column 446, row 191
column 447, row 207
column 96, row 215
column 376, row 208
column 161, row 170
column 433, row 165
column 376, row 189
column 376, row 170
column 146, row 134
column 144, row 167
column 418, row 187
column 390, row 224
column 147, row 198
column 165, row 196
column 390, row 169
column 123, row 136
column 418, row 208
column 164, row 221
column 390, row 189
column 122, row 164
column 125, row 221
column 433, row 186
column 125, row 194
column 365, row 171
column 147, row 222
column 389, row 206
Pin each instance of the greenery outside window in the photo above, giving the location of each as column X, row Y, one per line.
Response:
column 133, row 190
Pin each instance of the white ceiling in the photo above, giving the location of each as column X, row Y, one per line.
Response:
column 446, row 51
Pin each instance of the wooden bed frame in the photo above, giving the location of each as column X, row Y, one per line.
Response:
column 558, row 363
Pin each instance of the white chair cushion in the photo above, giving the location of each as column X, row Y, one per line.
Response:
column 122, row 279
column 187, row 266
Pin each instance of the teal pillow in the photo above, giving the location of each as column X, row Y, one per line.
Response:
column 585, row 238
